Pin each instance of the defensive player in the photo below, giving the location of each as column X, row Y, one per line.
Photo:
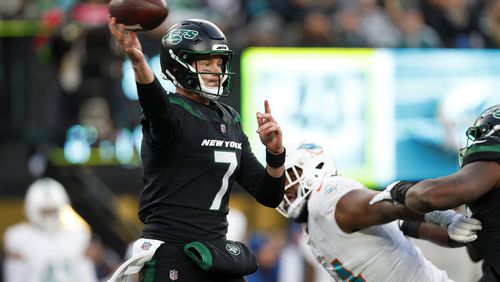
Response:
column 45, row 249
column 476, row 184
column 193, row 150
column 355, row 241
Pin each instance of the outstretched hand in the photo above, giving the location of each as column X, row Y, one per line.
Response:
column 269, row 131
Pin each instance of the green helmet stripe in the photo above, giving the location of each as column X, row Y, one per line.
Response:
column 495, row 148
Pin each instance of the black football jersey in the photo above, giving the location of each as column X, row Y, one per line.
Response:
column 192, row 153
column 487, row 208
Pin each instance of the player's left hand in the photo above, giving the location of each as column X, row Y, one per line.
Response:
column 464, row 229
column 269, row 131
column 461, row 228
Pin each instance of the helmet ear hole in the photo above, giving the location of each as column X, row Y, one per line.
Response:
column 309, row 182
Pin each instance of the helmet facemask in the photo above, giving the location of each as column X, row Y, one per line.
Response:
column 486, row 125
column 296, row 193
column 304, row 171
column 184, row 72
column 44, row 203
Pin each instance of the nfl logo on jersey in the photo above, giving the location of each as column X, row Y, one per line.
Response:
column 173, row 274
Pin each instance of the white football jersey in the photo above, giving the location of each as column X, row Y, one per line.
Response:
column 376, row 253
column 36, row 255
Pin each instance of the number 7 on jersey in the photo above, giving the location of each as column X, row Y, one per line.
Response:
column 224, row 157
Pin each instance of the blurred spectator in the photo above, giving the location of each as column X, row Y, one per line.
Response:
column 315, row 30
column 105, row 260
column 456, row 22
column 490, row 24
column 267, row 247
column 285, row 259
column 415, row 33
column 291, row 257
column 297, row 262
column 10, row 8
column 52, row 245
column 296, row 10
column 347, row 29
column 376, row 26
column 266, row 29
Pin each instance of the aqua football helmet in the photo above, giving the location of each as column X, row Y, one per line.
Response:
column 187, row 42
column 486, row 125
column 305, row 168
column 44, row 202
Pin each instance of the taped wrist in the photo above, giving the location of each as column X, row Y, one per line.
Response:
column 398, row 192
column 410, row 228
column 275, row 161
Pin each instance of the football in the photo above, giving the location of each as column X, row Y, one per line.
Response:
column 139, row 15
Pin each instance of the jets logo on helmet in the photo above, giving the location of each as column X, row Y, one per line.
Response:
column 496, row 114
column 175, row 36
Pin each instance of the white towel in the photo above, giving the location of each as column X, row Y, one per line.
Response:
column 143, row 251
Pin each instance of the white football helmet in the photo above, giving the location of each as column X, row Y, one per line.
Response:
column 44, row 201
column 307, row 165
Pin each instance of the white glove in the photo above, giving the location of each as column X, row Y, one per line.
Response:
column 384, row 195
column 464, row 229
column 460, row 228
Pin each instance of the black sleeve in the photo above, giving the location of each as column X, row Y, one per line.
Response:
column 158, row 119
column 253, row 176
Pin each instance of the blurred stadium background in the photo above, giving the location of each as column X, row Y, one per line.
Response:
column 389, row 86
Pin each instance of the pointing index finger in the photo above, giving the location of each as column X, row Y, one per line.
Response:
column 266, row 107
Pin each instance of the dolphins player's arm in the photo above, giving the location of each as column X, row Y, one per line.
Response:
column 353, row 211
column 429, row 232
